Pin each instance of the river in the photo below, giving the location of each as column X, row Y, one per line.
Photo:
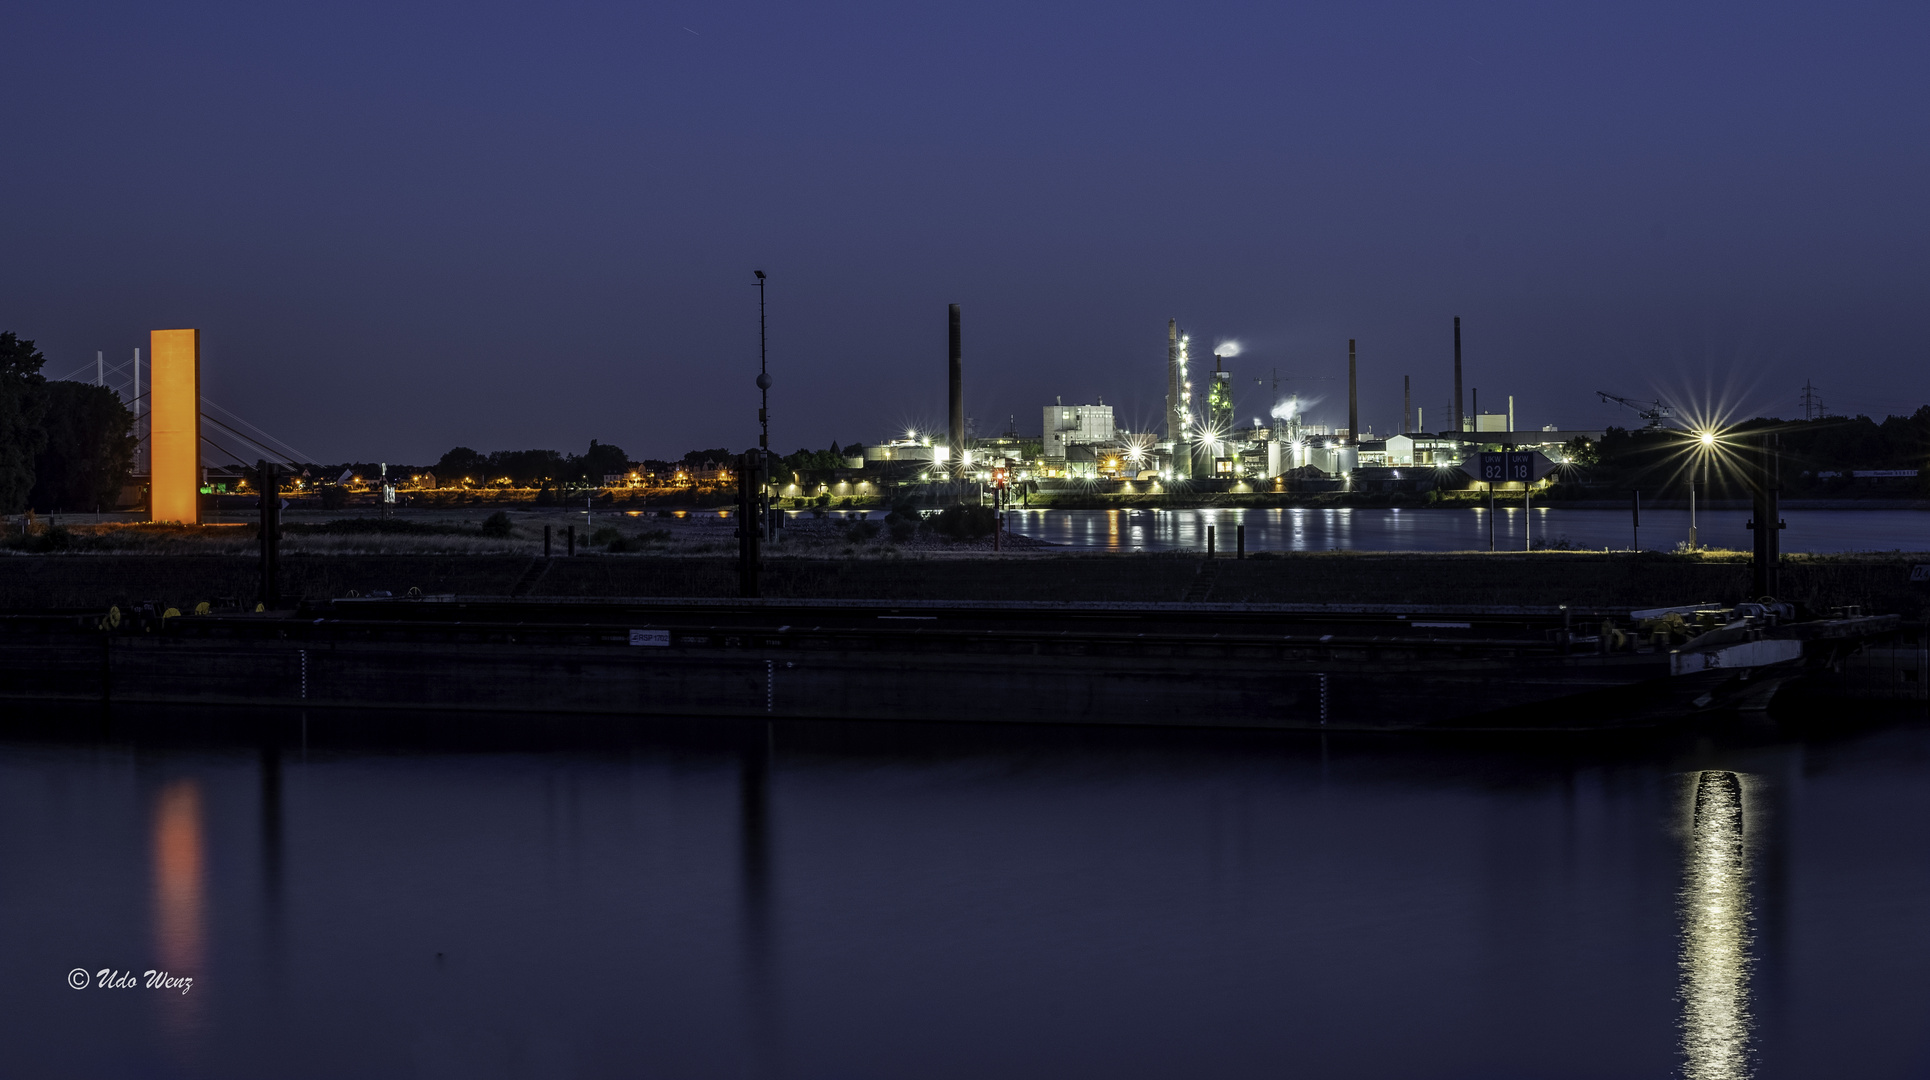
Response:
column 1378, row 529
column 382, row 895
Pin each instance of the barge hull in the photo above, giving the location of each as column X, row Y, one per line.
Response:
column 694, row 670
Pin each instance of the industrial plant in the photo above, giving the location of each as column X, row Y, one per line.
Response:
column 1201, row 446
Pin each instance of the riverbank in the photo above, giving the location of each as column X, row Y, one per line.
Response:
column 1877, row 583
column 238, row 508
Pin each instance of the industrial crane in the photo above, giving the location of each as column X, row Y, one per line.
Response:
column 1653, row 411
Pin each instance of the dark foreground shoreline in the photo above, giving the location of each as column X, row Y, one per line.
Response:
column 1876, row 583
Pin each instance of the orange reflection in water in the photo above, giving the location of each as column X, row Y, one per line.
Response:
column 180, row 879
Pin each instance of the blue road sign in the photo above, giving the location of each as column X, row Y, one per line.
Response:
column 1504, row 468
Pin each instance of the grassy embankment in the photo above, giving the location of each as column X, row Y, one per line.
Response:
column 692, row 556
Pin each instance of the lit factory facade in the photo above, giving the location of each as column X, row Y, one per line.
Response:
column 1200, row 443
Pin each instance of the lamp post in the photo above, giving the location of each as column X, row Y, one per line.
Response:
column 753, row 516
column 1706, row 441
column 763, row 414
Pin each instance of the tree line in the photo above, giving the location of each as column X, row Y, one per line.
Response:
column 530, row 468
column 547, row 468
column 1808, row 450
column 63, row 445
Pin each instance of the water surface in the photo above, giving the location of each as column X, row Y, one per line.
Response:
column 404, row 895
column 1390, row 529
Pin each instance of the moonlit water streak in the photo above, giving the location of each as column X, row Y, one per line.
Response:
column 1715, row 962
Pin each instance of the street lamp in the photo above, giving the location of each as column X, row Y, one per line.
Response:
column 1705, row 444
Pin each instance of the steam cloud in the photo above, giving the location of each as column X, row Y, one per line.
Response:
column 1293, row 407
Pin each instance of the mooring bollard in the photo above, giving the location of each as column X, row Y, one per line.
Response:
column 1209, row 541
column 1239, row 541
column 570, row 540
column 546, row 541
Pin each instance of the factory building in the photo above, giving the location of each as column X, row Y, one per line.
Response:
column 916, row 450
column 1198, row 440
column 1066, row 426
column 1416, row 448
column 1334, row 459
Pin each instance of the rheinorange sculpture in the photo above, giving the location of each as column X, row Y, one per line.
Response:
column 174, row 426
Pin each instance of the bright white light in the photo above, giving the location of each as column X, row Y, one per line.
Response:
column 1715, row 961
column 1707, row 438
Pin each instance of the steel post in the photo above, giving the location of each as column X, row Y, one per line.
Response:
column 268, row 482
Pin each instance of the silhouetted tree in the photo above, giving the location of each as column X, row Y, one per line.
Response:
column 459, row 463
column 88, row 452
column 602, row 459
column 696, row 458
column 1580, row 451
column 23, row 404
column 527, row 468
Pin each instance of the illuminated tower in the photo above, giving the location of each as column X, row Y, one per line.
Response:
column 1179, row 402
column 1219, row 401
column 956, row 402
column 174, row 424
column 1353, row 395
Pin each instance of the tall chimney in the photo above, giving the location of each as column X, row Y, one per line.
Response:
column 957, row 443
column 1407, row 402
column 1178, row 413
column 1172, row 383
column 1353, row 396
column 1458, row 425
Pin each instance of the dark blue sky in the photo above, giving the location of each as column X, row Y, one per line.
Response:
column 406, row 226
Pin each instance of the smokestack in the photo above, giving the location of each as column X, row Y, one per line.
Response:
column 1458, row 425
column 1353, row 396
column 1172, row 380
column 1177, row 411
column 958, row 396
column 1407, row 402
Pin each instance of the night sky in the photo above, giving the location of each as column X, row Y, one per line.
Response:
column 402, row 227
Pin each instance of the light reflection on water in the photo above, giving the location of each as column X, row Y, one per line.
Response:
column 1716, row 1019
column 180, row 907
column 713, row 899
column 1414, row 529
